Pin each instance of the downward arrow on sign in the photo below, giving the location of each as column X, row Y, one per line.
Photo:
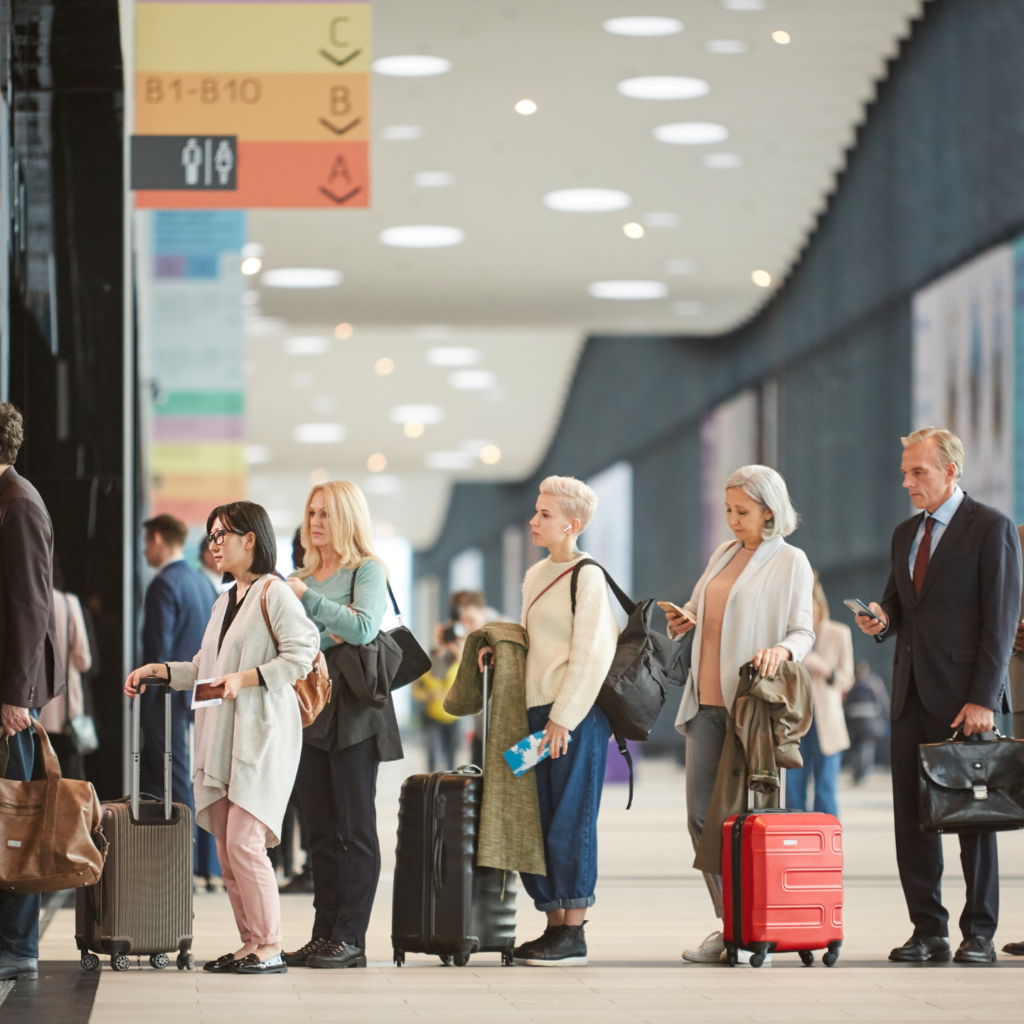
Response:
column 344, row 60
column 341, row 199
column 340, row 131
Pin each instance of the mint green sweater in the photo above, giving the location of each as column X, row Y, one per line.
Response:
column 327, row 604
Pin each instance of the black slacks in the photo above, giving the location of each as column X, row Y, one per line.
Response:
column 919, row 854
column 337, row 792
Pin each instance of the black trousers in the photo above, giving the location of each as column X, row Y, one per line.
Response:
column 919, row 854
column 337, row 793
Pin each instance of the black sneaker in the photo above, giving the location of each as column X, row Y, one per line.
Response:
column 565, row 946
column 300, row 956
column 521, row 951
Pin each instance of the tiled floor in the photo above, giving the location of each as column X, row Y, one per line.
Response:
column 651, row 904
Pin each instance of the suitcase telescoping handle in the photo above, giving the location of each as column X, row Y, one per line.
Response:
column 488, row 667
column 136, row 744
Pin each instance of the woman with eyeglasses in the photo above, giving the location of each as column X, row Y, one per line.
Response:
column 247, row 747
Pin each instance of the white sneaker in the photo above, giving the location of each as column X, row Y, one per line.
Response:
column 743, row 957
column 710, row 951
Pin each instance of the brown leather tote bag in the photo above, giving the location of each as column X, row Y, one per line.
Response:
column 314, row 691
column 50, row 834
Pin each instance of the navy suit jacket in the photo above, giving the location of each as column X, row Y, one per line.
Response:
column 956, row 638
column 177, row 610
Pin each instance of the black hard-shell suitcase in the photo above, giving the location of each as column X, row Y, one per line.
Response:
column 443, row 902
column 142, row 903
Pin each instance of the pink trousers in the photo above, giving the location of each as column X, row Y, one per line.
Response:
column 247, row 872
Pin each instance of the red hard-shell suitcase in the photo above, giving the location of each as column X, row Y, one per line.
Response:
column 782, row 882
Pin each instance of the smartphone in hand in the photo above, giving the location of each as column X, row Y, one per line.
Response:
column 668, row 606
column 858, row 607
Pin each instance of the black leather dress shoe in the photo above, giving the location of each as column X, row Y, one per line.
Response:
column 919, row 949
column 337, row 954
column 300, row 956
column 252, row 964
column 1015, row 948
column 976, row 949
column 222, row 965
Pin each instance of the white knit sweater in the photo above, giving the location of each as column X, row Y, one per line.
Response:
column 567, row 659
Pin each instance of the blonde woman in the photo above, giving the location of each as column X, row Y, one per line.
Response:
column 343, row 586
column 566, row 663
column 753, row 603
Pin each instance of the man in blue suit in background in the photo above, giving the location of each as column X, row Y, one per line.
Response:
column 177, row 609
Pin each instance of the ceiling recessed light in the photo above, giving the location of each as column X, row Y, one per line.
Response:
column 722, row 161
column 256, row 454
column 454, row 355
column 401, row 132
column 302, row 277
column 691, row 133
column 319, row 476
column 413, row 429
column 384, row 366
column 307, row 345
column 587, row 200
column 628, row 290
column 490, row 454
column 449, row 460
column 343, row 331
column 526, row 107
column 680, row 267
column 251, row 265
column 376, row 463
column 663, row 87
column 642, row 26
column 688, row 307
column 428, row 414
column 433, row 179
column 744, row 5
column 422, row 236
column 633, row 230
column 782, row 38
column 473, row 380
column 319, row 433
column 660, row 220
column 726, row 46
column 761, row 278
column 411, row 65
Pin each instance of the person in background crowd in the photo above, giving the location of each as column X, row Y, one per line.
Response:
column 753, row 603
column 953, row 603
column 246, row 747
column 867, row 710
column 440, row 730
column 470, row 612
column 31, row 674
column 567, row 661
column 174, row 618
column 208, row 567
column 830, row 663
column 76, row 657
column 343, row 587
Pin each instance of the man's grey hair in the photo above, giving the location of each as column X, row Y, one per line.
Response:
column 765, row 486
column 949, row 447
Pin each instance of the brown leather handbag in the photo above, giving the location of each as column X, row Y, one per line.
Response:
column 50, row 834
column 314, row 691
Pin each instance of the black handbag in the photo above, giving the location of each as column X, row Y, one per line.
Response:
column 645, row 664
column 972, row 786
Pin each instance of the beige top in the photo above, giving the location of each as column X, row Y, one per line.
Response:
column 75, row 658
column 832, row 652
column 716, row 596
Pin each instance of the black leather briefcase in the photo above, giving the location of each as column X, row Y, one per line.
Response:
column 971, row 786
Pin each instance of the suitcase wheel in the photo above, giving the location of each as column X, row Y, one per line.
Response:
column 830, row 958
column 507, row 958
column 185, row 962
column 399, row 957
column 158, row 961
column 446, row 959
column 461, row 960
column 807, row 957
column 732, row 957
column 90, row 962
column 756, row 959
column 120, row 962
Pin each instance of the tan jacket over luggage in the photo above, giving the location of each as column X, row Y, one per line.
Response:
column 50, row 834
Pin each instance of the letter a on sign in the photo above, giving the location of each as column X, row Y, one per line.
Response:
column 339, row 169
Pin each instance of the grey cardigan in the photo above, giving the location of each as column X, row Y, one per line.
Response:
column 247, row 749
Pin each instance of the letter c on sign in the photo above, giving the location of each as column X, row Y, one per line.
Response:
column 335, row 41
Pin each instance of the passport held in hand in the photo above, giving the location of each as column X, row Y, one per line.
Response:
column 525, row 754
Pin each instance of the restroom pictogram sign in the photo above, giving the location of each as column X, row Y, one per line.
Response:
column 191, row 163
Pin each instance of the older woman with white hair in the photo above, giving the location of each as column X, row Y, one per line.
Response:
column 753, row 603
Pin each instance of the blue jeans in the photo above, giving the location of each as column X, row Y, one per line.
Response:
column 19, row 915
column 569, row 791
column 825, row 770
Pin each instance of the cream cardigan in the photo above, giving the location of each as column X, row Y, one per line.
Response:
column 832, row 652
column 247, row 749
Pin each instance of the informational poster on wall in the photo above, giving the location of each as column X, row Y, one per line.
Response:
column 968, row 358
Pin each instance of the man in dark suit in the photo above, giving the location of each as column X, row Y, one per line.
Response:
column 30, row 673
column 952, row 602
column 177, row 609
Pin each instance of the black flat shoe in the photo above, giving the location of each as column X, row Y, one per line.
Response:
column 976, row 949
column 300, row 956
column 338, row 954
column 1014, row 948
column 919, row 949
column 222, row 965
column 252, row 964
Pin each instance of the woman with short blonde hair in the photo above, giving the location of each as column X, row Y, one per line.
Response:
column 343, row 587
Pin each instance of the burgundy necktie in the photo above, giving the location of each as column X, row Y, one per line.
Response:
column 923, row 554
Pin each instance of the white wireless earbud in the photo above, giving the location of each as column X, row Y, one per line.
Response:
column 568, row 529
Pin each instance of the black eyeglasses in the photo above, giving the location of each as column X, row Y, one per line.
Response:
column 217, row 537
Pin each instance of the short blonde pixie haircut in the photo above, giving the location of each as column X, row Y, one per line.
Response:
column 575, row 498
column 348, row 527
column 950, row 447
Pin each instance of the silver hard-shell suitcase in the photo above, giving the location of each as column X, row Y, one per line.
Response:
column 142, row 903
